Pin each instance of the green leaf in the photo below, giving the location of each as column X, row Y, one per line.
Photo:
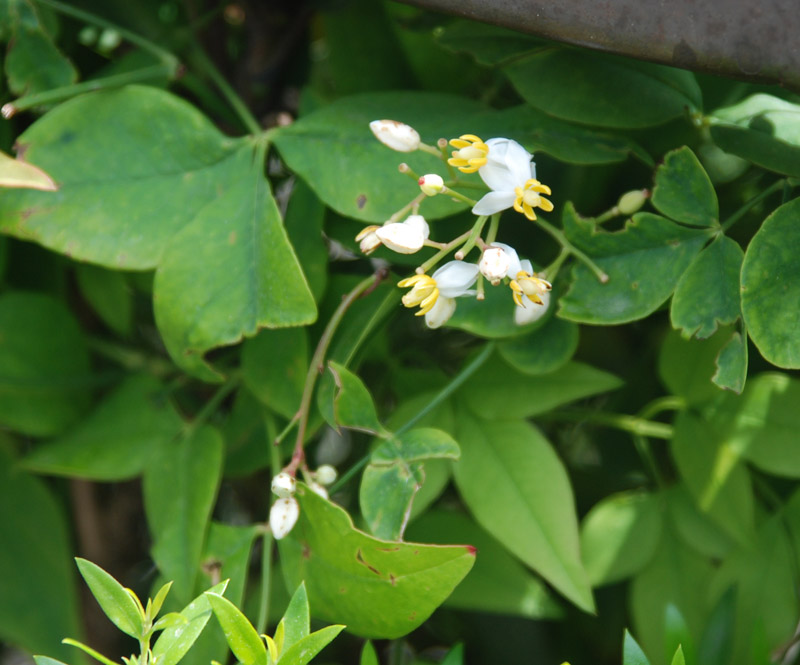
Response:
column 678, row 658
column 274, row 367
column 180, row 486
column 632, row 653
column 518, row 490
column 770, row 280
column 242, row 275
column 229, row 547
column 543, row 350
column 377, row 588
column 695, row 528
column 39, row 601
column 762, row 129
column 677, row 638
column 684, row 191
column 711, row 466
column 308, row 647
column 244, row 431
column 731, row 371
column 43, row 377
column 296, row 619
column 686, row 366
column 158, row 600
column 394, row 476
column 113, row 598
column 498, row 582
column 624, row 93
column 497, row 391
column 368, row 655
column 644, row 262
column 455, row 656
column 175, row 641
column 118, row 439
column 619, row 536
column 304, row 219
column 707, row 295
column 242, row 638
column 488, row 44
column 716, row 645
column 109, row 294
column 16, row 173
column 335, row 152
column 353, row 407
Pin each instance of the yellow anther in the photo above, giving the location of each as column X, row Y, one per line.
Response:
column 529, row 196
column 424, row 293
column 528, row 285
column 470, row 154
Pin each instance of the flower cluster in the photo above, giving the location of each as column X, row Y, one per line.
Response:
column 505, row 167
column 285, row 511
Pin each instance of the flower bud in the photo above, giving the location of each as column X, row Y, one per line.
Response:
column 395, row 135
column 631, row 202
column 284, row 485
column 431, row 184
column 494, row 264
column 283, row 516
column 318, row 490
column 326, row 474
column 367, row 240
column 405, row 237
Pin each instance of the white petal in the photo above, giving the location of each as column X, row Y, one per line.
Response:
column 530, row 311
column 283, row 516
column 514, row 265
column 454, row 278
column 401, row 238
column 284, row 485
column 497, row 176
column 418, row 222
column 508, row 163
column 441, row 312
column 494, row 263
column 527, row 266
column 396, row 135
column 494, row 202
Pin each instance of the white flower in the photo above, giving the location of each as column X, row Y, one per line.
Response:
column 404, row 237
column 431, row 184
column 470, row 155
column 511, row 176
column 283, row 516
column 529, row 292
column 530, row 311
column 284, row 485
column 450, row 281
column 395, row 135
column 326, row 474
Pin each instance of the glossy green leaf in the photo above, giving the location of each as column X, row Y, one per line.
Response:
column 175, row 641
column 335, row 152
column 180, row 486
column 678, row 641
column 770, row 283
column 296, row 619
column 686, row 366
column 113, row 598
column 684, row 191
column 624, row 93
column 228, row 548
column 109, row 294
column 158, row 599
column 518, row 490
column 39, row 601
column 678, row 658
column 118, row 439
column 304, row 219
column 676, row 576
column 732, row 361
column 376, row 588
column 243, row 274
column 16, row 173
column 171, row 620
column 497, row 391
column 353, row 406
column 714, row 473
column 45, row 660
column 368, row 655
column 707, row 295
column 619, row 536
column 309, row 646
column 643, row 262
column 762, row 129
column 632, row 653
column 395, row 474
column 274, row 367
column 543, row 350
column 694, row 527
column 498, row 582
column 242, row 638
column 43, row 377
column 488, row 44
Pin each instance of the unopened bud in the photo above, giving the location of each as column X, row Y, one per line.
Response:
column 283, row 516
column 395, row 135
column 631, row 202
column 431, row 184
column 367, row 240
column 318, row 489
column 405, row 237
column 284, row 485
column 494, row 264
column 326, row 474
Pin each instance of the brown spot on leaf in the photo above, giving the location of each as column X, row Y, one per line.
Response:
column 392, row 579
column 306, row 551
column 232, row 238
column 360, row 559
column 361, row 201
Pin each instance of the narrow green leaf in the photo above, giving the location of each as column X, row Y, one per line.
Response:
column 770, row 280
column 684, row 191
column 353, row 405
column 455, row 656
column 296, row 619
column 678, row 658
column 118, row 439
column 159, row 599
column 242, row 638
column 45, row 660
column 731, row 371
column 109, row 294
column 113, row 598
column 716, row 644
column 302, row 651
column 16, row 173
column 707, row 295
column 543, row 350
column 180, row 486
column 377, row 588
column 632, row 653
column 171, row 620
column 368, row 655
column 518, row 490
column 677, row 637
column 88, row 650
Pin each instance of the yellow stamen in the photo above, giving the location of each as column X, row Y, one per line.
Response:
column 528, row 285
column 529, row 196
column 470, row 155
column 424, row 293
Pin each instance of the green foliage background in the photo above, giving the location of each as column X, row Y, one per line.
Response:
column 628, row 461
